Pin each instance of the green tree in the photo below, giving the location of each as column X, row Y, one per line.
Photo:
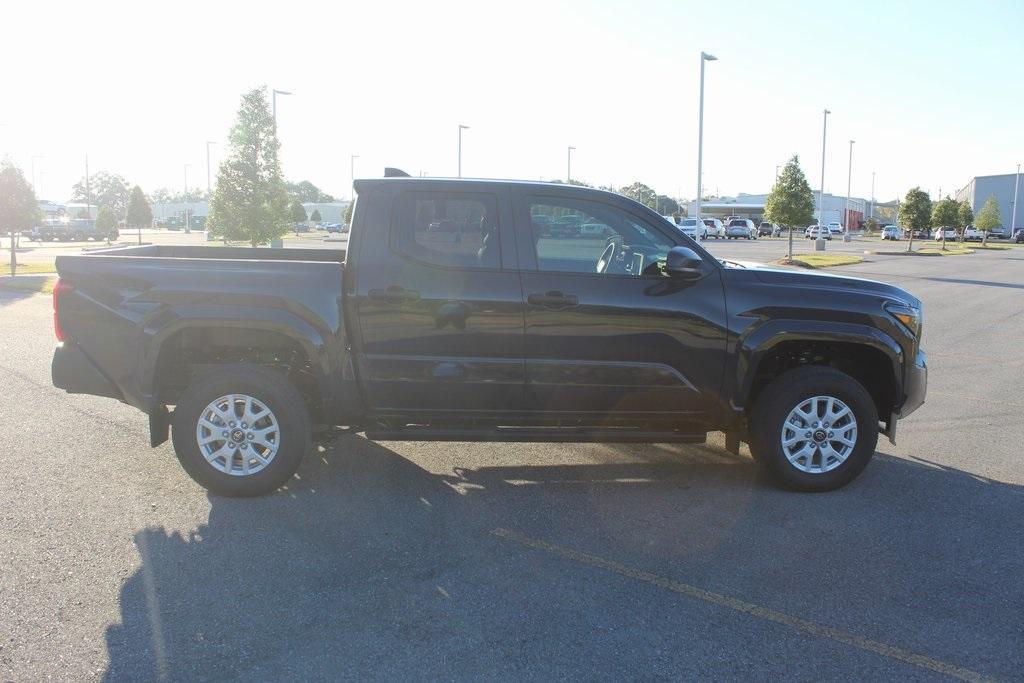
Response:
column 306, row 192
column 250, row 201
column 298, row 211
column 964, row 215
column 105, row 189
column 871, row 224
column 791, row 201
column 666, row 205
column 347, row 216
column 989, row 218
column 315, row 216
column 19, row 209
column 106, row 221
column 139, row 214
column 641, row 193
column 944, row 214
column 915, row 213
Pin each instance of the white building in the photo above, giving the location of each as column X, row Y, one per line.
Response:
column 752, row 206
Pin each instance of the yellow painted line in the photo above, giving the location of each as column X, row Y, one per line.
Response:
column 751, row 609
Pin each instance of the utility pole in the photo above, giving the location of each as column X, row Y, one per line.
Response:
column 461, row 128
column 846, row 213
column 88, row 194
column 209, row 186
column 872, row 210
column 568, row 166
column 821, row 191
column 1016, row 186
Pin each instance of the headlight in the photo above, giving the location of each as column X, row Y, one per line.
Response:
column 909, row 317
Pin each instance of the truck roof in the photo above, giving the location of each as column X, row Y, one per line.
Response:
column 362, row 184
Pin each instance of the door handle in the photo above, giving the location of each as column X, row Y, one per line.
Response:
column 553, row 299
column 393, row 294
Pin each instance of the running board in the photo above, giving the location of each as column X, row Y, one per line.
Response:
column 534, row 434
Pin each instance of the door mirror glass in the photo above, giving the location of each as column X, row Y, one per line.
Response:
column 683, row 262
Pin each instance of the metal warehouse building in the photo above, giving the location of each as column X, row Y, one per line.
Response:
column 1002, row 187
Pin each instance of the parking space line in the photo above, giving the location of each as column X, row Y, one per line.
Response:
column 748, row 608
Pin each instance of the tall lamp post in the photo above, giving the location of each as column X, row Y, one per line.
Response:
column 1016, row 186
column 273, row 106
column 846, row 213
column 33, row 162
column 872, row 211
column 568, row 166
column 461, row 128
column 704, row 57
column 352, row 176
column 209, row 186
column 188, row 227
column 821, row 191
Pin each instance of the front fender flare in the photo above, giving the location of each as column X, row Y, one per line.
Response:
column 762, row 339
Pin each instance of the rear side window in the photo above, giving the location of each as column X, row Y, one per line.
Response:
column 452, row 229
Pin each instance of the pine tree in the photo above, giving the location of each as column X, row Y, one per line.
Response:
column 250, row 201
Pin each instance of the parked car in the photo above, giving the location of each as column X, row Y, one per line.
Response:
column 1018, row 236
column 741, row 228
column 999, row 233
column 921, row 233
column 595, row 230
column 332, row 227
column 813, row 232
column 693, row 227
column 766, row 230
column 835, row 228
column 891, row 232
column 408, row 337
column 715, row 228
column 947, row 232
column 972, row 234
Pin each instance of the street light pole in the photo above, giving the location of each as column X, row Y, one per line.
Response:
column 33, row 162
column 209, row 187
column 188, row 227
column 821, row 191
column 273, row 105
column 461, row 128
column 568, row 166
column 849, row 179
column 872, row 211
column 1016, row 186
column 704, row 57
column 352, row 176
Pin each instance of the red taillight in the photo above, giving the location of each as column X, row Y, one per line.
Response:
column 59, row 290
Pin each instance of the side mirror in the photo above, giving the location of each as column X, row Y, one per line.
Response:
column 683, row 262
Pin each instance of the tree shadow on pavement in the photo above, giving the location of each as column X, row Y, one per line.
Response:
column 370, row 566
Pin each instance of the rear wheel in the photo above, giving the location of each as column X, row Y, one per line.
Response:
column 814, row 429
column 241, row 431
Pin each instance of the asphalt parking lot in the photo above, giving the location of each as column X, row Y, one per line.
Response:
column 528, row 561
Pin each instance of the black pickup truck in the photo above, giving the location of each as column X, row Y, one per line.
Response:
column 456, row 313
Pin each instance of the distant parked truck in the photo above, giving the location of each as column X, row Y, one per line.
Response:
column 972, row 234
column 75, row 230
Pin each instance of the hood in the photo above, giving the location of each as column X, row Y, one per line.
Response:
column 817, row 280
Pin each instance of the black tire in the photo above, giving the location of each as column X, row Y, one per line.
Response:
column 267, row 386
column 786, row 392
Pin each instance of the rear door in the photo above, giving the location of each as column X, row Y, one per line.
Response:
column 607, row 333
column 438, row 300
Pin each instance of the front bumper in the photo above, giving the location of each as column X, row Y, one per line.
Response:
column 915, row 385
column 75, row 373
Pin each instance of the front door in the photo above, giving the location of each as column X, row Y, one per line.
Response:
column 439, row 304
column 607, row 332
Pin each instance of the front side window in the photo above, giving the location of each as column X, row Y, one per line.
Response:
column 448, row 229
column 578, row 236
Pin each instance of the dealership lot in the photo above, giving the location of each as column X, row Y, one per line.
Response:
column 435, row 560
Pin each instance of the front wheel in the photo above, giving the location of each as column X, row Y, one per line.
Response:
column 241, row 431
column 814, row 428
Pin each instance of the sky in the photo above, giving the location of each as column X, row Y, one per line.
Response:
column 931, row 92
